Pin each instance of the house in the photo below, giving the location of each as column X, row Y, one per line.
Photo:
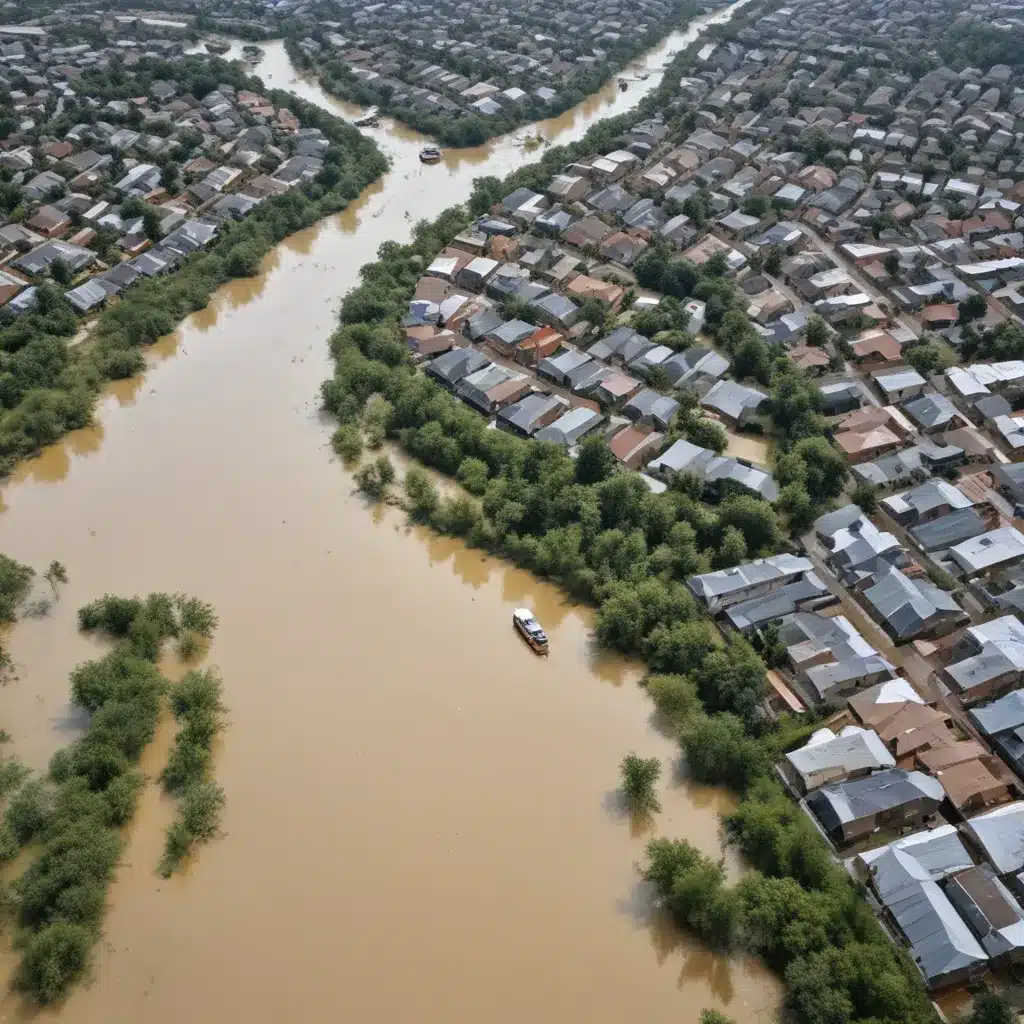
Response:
column 908, row 608
column 622, row 248
column 492, row 388
column 635, row 446
column 786, row 602
column 992, row 913
column 893, row 798
column 718, row 590
column 448, row 369
column 49, row 222
column 987, row 660
column 528, row 415
column 555, row 310
column 992, row 552
column 841, row 397
column 1002, row 724
column 998, row 835
column 857, row 547
column 694, row 366
column 899, row 385
column 871, row 432
column 908, row 464
column 571, row 427
column 931, row 500
column 932, row 412
column 829, row 757
column 38, row 260
column 736, row 403
column 506, row 338
column 875, row 348
column 905, row 876
column 943, row 533
column 651, row 408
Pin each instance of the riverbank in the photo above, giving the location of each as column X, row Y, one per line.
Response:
column 375, row 660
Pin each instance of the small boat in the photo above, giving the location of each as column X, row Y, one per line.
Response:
column 430, row 155
column 369, row 120
column 529, row 627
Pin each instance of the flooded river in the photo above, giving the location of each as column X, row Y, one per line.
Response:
column 421, row 822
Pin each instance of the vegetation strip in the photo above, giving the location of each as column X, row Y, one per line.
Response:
column 48, row 388
column 198, row 709
column 75, row 813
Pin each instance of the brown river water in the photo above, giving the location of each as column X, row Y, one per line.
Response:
column 421, row 820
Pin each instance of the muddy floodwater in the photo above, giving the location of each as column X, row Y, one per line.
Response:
column 421, row 822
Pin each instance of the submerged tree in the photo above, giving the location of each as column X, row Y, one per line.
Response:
column 55, row 575
column 639, row 777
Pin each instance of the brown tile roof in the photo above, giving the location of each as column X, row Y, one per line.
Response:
column 949, row 754
column 879, row 344
column 971, row 781
column 939, row 312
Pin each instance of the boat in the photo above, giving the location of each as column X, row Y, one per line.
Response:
column 369, row 120
column 529, row 628
column 430, row 155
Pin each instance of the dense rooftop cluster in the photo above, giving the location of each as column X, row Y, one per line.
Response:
column 468, row 71
column 113, row 175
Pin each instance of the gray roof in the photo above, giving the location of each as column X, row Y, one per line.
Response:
column 826, row 677
column 682, row 457
column 758, row 611
column 525, row 413
column 859, row 799
column 990, row 549
column 931, row 410
column 948, row 530
column 568, row 429
column 452, row 366
column 1001, row 715
column 930, row 495
column 831, row 523
column 940, row 942
column 733, row 399
column 761, row 482
column 696, row 362
column 751, row 574
column 999, row 834
column 928, row 856
column 891, row 381
column 898, row 467
column 907, row 605
column 852, row 750
column 1010, row 477
column 512, row 332
column 558, row 366
column 652, row 404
